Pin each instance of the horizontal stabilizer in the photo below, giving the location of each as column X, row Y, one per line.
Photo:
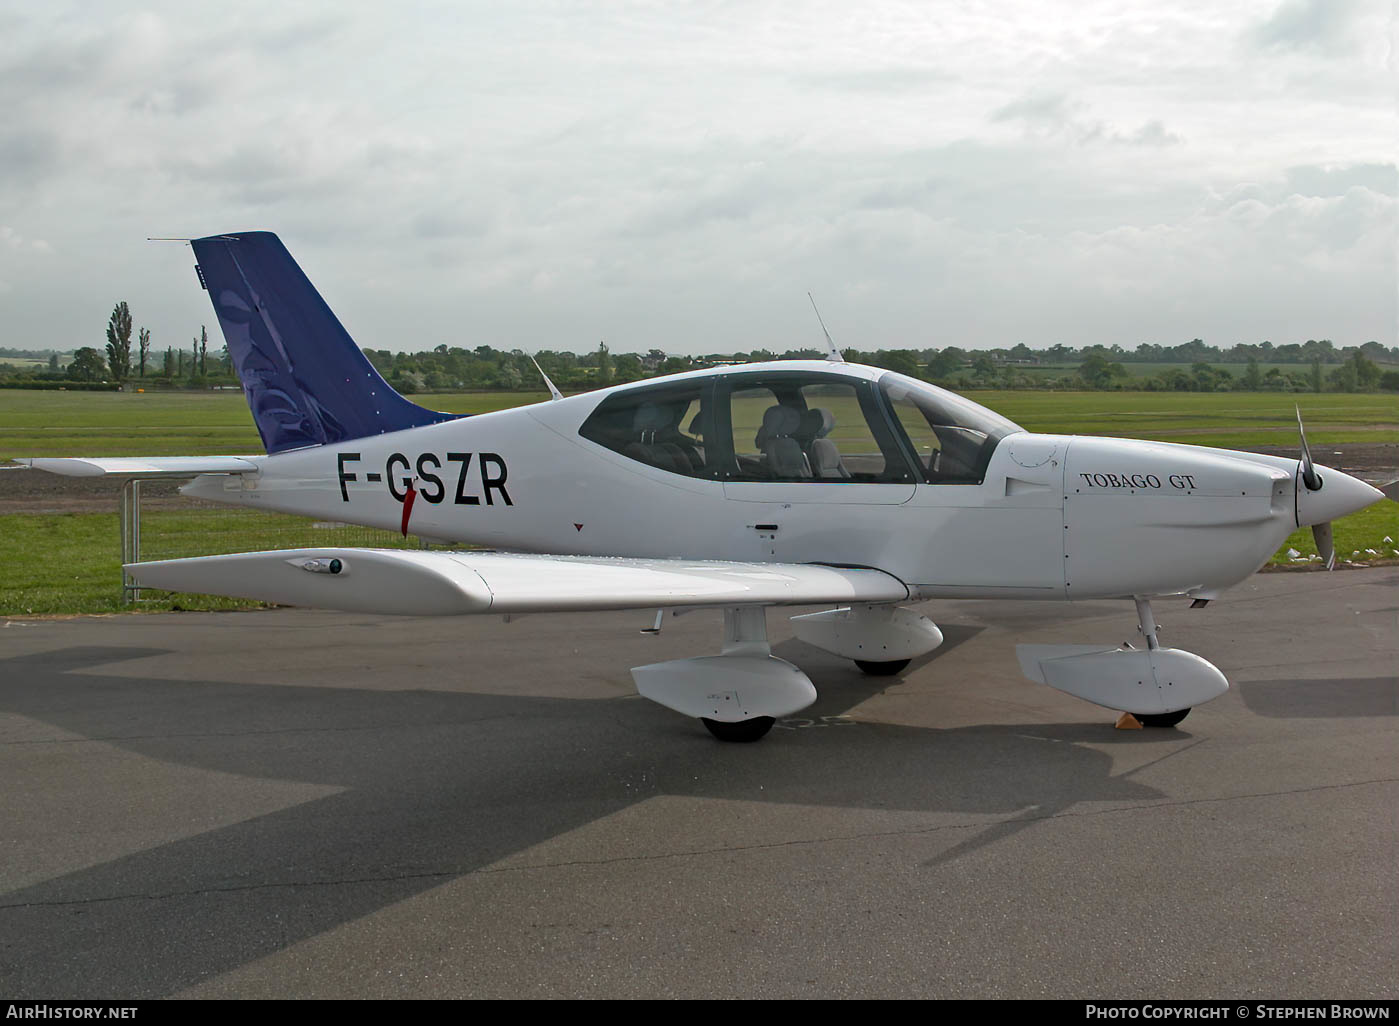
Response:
column 417, row 583
column 143, row 466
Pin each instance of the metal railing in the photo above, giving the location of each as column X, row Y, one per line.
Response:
column 189, row 527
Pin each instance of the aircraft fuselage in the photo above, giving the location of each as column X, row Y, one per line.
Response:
column 1054, row 516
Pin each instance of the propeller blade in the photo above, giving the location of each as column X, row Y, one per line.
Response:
column 1310, row 478
column 1325, row 544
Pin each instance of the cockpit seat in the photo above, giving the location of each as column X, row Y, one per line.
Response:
column 652, row 425
column 824, row 454
column 781, row 451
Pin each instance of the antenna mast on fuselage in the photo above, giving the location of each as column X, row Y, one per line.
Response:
column 833, row 354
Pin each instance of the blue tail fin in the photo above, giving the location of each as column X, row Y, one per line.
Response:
column 305, row 379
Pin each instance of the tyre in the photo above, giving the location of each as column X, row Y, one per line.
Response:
column 886, row 669
column 743, row 731
column 1169, row 719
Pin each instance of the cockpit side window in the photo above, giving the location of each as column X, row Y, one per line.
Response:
column 952, row 437
column 668, row 426
column 821, row 428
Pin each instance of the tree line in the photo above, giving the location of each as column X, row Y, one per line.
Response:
column 1324, row 368
column 1313, row 366
column 117, row 363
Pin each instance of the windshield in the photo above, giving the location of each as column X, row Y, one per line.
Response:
column 952, row 437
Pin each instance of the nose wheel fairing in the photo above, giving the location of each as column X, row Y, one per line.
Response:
column 1154, row 682
column 1141, row 682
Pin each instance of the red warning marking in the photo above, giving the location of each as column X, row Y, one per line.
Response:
column 408, row 505
column 578, row 526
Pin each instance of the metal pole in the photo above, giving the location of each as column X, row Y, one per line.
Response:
column 125, row 539
column 130, row 535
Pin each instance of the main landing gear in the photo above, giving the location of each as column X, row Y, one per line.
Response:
column 741, row 693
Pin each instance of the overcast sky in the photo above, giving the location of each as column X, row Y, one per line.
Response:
column 678, row 175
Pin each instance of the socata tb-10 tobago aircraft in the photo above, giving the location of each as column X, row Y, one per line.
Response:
column 740, row 487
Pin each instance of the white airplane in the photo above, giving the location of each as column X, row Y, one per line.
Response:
column 740, row 487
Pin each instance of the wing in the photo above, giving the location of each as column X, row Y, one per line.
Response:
column 418, row 583
column 143, row 466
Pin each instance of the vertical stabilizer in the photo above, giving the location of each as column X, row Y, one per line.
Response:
column 305, row 380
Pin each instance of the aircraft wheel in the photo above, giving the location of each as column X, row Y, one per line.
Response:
column 1163, row 719
column 743, row 731
column 876, row 669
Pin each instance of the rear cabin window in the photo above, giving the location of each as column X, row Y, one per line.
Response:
column 664, row 427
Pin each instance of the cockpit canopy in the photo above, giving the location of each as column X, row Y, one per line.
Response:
column 951, row 437
column 801, row 425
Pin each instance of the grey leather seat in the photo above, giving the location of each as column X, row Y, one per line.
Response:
column 781, row 450
column 825, row 455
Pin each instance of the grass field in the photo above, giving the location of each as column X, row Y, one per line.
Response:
column 1231, row 420
column 42, row 423
column 206, row 423
column 68, row 563
column 71, row 562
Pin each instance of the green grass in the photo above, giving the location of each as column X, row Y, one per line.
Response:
column 40, row 423
column 206, row 423
column 1231, row 420
column 70, row 563
column 1353, row 534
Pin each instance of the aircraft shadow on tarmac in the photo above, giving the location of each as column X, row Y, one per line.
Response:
column 438, row 784
column 1322, row 699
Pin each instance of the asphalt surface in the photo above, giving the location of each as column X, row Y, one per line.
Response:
column 304, row 804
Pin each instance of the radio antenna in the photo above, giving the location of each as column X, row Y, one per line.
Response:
column 832, row 354
column 554, row 394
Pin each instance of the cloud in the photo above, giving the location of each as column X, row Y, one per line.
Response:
column 1153, row 133
column 1314, row 180
column 899, row 79
column 1324, row 26
column 1054, row 115
column 28, row 154
column 12, row 241
column 1050, row 112
column 680, row 175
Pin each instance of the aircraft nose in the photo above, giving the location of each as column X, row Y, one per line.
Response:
column 1338, row 495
